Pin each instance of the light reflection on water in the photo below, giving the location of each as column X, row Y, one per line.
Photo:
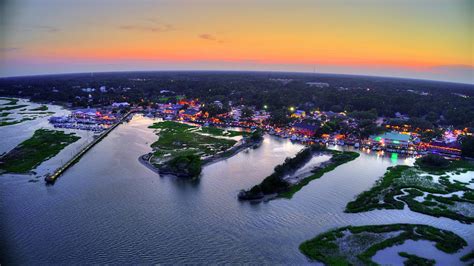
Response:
column 110, row 208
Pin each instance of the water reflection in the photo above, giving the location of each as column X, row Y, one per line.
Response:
column 110, row 208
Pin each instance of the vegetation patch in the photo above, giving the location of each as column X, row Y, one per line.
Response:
column 11, row 101
column 35, row 113
column 44, row 144
column 404, row 185
column 275, row 184
column 414, row 260
column 7, row 108
column 357, row 245
column 221, row 132
column 469, row 256
column 337, row 159
column 7, row 122
column 41, row 108
column 433, row 162
column 181, row 147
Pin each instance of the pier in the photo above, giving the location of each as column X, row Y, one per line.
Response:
column 53, row 177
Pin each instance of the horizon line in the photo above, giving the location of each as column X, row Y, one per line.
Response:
column 237, row 71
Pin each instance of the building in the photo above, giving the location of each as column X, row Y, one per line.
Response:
column 442, row 147
column 305, row 128
column 260, row 116
column 402, row 116
column 86, row 113
column 392, row 139
column 318, row 84
column 298, row 114
column 189, row 114
column 121, row 104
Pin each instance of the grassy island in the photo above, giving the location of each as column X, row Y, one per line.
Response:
column 182, row 149
column 275, row 184
column 469, row 256
column 428, row 189
column 357, row 245
column 414, row 260
column 41, row 108
column 7, row 122
column 43, row 145
column 8, row 108
column 11, row 101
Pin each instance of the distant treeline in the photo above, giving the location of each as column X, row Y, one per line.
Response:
column 442, row 102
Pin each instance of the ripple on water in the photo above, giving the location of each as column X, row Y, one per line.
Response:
column 110, row 208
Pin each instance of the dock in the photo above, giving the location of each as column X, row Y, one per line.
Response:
column 53, row 177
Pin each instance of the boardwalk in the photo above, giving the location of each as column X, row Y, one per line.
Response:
column 52, row 178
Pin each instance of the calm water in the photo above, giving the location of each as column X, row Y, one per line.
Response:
column 110, row 208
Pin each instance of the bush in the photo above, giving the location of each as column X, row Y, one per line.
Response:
column 432, row 161
column 187, row 165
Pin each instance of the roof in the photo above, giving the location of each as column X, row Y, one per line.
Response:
column 191, row 112
column 306, row 126
column 453, row 145
column 85, row 111
column 391, row 136
column 177, row 106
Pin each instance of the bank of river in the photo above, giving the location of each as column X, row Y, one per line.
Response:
column 110, row 208
column 13, row 135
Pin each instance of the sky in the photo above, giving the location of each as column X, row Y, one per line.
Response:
column 427, row 39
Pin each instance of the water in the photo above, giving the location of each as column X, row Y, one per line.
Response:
column 421, row 248
column 110, row 208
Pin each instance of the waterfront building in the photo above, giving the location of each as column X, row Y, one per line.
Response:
column 304, row 128
column 298, row 114
column 443, row 147
column 392, row 139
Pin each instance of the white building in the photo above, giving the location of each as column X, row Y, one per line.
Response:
column 122, row 104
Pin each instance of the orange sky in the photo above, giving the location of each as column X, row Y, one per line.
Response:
column 394, row 38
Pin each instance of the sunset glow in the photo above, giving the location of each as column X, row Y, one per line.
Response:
column 420, row 39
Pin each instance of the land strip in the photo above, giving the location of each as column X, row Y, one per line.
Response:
column 357, row 245
column 275, row 185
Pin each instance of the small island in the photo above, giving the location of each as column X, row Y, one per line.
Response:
column 275, row 186
column 43, row 145
column 357, row 245
column 431, row 187
column 182, row 149
column 40, row 108
column 11, row 107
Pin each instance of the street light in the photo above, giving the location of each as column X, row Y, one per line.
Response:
column 265, row 106
column 292, row 108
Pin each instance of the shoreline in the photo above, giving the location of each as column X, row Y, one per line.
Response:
column 288, row 189
column 208, row 161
